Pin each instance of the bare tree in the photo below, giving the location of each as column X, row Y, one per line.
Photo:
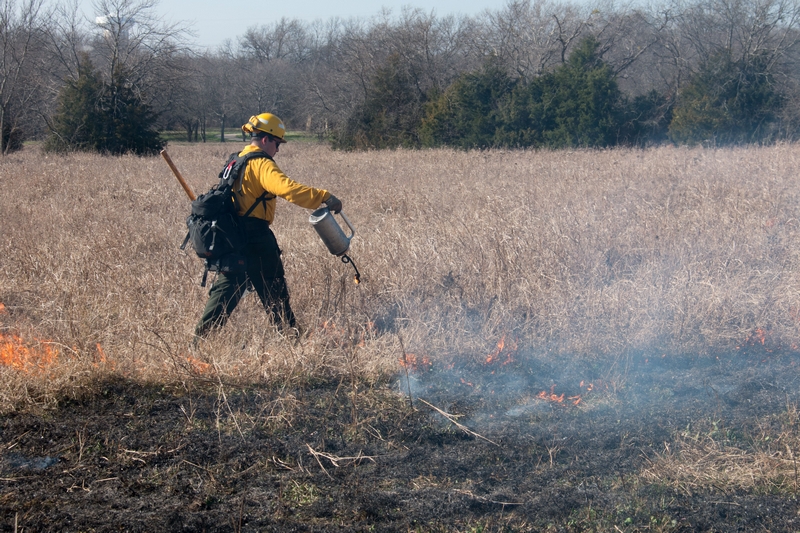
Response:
column 20, row 41
column 345, row 57
column 690, row 33
column 67, row 39
column 218, row 94
column 131, row 41
column 743, row 28
column 284, row 40
column 630, row 39
column 624, row 34
column 183, row 106
column 531, row 37
column 431, row 48
column 336, row 76
column 266, row 66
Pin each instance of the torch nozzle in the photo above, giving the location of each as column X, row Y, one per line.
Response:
column 357, row 275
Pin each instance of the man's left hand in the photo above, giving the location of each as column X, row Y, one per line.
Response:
column 334, row 204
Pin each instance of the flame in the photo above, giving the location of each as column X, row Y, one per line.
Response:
column 100, row 358
column 552, row 396
column 560, row 398
column 329, row 325
column 501, row 346
column 197, row 366
column 413, row 363
column 492, row 357
column 101, row 355
column 26, row 357
column 759, row 336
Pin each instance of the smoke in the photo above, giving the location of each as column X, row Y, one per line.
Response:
column 656, row 394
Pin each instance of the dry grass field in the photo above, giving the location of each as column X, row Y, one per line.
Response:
column 542, row 341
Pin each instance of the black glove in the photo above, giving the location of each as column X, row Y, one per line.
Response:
column 334, row 204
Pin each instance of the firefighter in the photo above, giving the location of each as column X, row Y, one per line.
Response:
column 264, row 274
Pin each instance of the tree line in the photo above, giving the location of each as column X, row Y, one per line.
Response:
column 528, row 74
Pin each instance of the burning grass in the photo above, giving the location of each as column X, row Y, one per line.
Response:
column 26, row 357
column 594, row 253
column 542, row 301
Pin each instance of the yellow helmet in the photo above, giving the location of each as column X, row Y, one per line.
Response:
column 268, row 123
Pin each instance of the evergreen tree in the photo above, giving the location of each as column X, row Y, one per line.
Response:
column 727, row 102
column 578, row 104
column 467, row 114
column 102, row 117
column 129, row 121
column 78, row 116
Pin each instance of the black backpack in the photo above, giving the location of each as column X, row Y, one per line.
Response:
column 214, row 226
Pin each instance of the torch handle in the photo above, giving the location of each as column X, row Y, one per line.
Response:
column 177, row 173
column 349, row 225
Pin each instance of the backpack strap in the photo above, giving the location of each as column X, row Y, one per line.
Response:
column 234, row 168
column 263, row 198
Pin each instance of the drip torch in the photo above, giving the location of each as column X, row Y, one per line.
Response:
column 333, row 236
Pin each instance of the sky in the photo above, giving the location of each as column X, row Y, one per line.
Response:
column 215, row 21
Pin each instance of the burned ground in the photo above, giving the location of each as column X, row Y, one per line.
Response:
column 205, row 456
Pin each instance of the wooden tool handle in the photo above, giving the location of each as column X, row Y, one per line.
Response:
column 177, row 173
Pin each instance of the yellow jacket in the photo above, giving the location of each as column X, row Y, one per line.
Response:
column 263, row 175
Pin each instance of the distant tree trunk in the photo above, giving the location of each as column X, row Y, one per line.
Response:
column 19, row 32
column 203, row 129
column 222, row 130
column 2, row 130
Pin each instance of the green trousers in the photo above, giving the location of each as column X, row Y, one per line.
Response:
column 264, row 275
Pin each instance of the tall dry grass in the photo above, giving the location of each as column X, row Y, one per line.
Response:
column 586, row 254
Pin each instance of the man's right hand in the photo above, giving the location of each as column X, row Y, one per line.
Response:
column 334, row 204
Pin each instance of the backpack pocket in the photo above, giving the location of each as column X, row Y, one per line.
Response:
column 213, row 239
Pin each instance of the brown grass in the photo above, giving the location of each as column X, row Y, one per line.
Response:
column 595, row 254
column 710, row 460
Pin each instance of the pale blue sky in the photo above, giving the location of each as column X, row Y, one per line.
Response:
column 215, row 21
